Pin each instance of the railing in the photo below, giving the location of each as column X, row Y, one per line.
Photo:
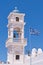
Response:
column 19, row 40
column 11, row 41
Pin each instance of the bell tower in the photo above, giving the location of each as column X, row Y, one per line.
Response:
column 16, row 41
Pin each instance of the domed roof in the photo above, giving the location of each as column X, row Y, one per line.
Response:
column 34, row 50
column 15, row 10
column 39, row 51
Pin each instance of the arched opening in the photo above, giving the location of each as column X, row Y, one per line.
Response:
column 17, row 19
column 15, row 34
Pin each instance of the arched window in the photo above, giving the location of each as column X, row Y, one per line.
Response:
column 15, row 34
column 17, row 19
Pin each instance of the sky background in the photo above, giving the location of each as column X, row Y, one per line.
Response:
column 33, row 18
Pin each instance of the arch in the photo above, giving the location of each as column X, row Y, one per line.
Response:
column 17, row 19
column 16, row 32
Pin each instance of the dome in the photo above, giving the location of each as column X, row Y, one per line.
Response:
column 34, row 52
column 39, row 51
column 16, row 10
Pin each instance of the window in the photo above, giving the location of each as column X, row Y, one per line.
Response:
column 15, row 34
column 17, row 18
column 17, row 57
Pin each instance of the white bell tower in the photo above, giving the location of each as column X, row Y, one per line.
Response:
column 16, row 41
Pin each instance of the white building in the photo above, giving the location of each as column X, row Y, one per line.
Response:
column 16, row 43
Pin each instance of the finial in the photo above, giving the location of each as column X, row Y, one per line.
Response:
column 16, row 10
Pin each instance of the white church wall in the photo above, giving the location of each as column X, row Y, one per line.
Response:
column 20, row 59
column 10, row 58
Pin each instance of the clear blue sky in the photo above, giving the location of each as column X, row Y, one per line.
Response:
column 34, row 18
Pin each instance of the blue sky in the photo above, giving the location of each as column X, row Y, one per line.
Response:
column 33, row 18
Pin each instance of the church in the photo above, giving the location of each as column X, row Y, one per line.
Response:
column 16, row 43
